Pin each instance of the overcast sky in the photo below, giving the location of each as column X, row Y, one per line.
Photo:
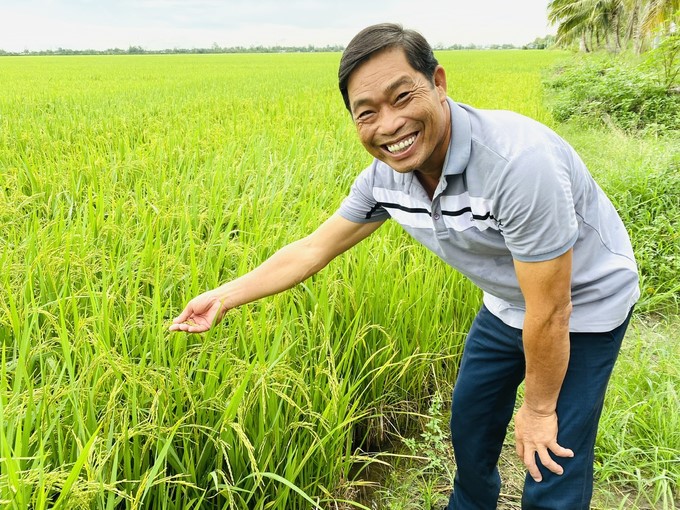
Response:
column 166, row 24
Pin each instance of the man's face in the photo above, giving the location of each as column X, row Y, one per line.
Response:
column 401, row 118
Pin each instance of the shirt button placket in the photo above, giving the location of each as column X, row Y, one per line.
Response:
column 438, row 224
column 436, row 210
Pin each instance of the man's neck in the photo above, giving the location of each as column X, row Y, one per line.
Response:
column 429, row 182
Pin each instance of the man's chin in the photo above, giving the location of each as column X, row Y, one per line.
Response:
column 401, row 167
column 402, row 170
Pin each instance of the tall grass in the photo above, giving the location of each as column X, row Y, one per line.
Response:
column 639, row 439
column 640, row 175
column 131, row 183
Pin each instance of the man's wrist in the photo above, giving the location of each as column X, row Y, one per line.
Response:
column 540, row 408
column 223, row 295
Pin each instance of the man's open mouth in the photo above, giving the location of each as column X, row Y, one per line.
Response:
column 402, row 145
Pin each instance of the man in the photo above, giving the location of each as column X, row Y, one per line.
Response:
column 509, row 204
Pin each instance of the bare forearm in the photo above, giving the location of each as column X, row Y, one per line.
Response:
column 289, row 266
column 546, row 349
column 546, row 287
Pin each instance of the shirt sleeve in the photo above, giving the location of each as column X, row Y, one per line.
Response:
column 360, row 206
column 535, row 205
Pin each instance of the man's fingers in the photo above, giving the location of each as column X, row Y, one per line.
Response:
column 544, row 458
column 179, row 327
column 189, row 328
column 530, row 463
column 188, row 325
column 549, row 463
column 186, row 313
column 198, row 316
column 561, row 452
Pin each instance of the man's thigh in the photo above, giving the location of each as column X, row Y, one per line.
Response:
column 491, row 369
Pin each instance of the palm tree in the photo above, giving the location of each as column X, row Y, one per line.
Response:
column 660, row 13
column 587, row 19
column 606, row 19
column 634, row 13
column 572, row 18
column 613, row 21
column 645, row 17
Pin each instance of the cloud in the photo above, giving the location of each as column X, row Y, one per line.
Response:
column 158, row 24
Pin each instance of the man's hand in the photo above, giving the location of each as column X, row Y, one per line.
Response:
column 200, row 314
column 536, row 433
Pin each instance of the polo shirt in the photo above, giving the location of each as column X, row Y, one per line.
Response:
column 510, row 188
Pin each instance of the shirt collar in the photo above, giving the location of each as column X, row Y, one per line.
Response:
column 458, row 154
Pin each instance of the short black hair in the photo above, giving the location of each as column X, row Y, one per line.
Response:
column 380, row 37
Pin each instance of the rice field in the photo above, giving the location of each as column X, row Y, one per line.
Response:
column 129, row 184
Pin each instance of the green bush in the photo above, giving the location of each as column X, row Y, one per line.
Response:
column 615, row 91
column 664, row 62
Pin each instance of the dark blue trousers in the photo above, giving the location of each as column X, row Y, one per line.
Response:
column 483, row 404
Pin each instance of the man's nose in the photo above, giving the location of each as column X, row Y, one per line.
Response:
column 390, row 122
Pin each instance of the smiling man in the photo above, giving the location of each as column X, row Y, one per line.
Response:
column 508, row 203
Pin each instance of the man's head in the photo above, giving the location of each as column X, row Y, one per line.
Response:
column 376, row 38
column 396, row 93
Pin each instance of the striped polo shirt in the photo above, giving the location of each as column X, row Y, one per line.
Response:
column 510, row 188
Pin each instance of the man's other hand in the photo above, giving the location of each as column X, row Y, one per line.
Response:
column 536, row 434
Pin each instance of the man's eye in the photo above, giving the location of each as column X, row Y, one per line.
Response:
column 364, row 115
column 403, row 96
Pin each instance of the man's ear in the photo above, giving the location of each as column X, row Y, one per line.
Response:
column 440, row 81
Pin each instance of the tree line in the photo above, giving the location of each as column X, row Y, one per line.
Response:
column 215, row 48
column 539, row 43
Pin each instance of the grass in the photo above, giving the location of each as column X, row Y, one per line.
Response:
column 640, row 430
column 131, row 183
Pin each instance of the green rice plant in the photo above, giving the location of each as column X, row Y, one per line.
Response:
column 129, row 184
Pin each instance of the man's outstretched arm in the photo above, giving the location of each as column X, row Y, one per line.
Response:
column 289, row 266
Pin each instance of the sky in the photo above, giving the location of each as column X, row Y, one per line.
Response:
column 166, row 24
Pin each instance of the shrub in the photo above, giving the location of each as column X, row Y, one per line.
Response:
column 612, row 90
column 664, row 62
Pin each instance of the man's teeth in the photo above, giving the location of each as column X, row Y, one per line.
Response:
column 397, row 147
